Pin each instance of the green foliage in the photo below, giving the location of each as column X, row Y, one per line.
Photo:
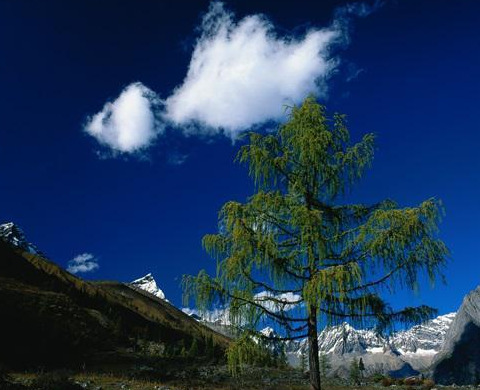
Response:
column 193, row 351
column 361, row 366
column 298, row 235
column 354, row 373
column 377, row 377
column 209, row 347
column 247, row 351
column 303, row 361
column 325, row 365
column 53, row 319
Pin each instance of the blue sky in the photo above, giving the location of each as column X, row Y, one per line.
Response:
column 139, row 189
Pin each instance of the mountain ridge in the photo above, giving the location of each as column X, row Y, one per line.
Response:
column 51, row 318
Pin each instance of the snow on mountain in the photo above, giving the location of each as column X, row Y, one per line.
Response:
column 423, row 339
column 414, row 347
column 216, row 316
column 216, row 319
column 148, row 284
column 344, row 339
column 11, row 233
column 268, row 332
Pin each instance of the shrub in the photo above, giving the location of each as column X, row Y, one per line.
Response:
column 386, row 381
column 377, row 377
column 6, row 381
column 428, row 384
column 400, row 381
column 412, row 381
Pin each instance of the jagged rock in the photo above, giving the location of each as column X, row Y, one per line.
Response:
column 459, row 359
column 408, row 351
column 11, row 233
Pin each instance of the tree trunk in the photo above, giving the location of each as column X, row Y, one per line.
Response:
column 314, row 364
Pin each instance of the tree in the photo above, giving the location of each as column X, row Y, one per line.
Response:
column 209, row 347
column 303, row 361
column 193, row 351
column 354, row 372
column 324, row 365
column 297, row 254
column 361, row 367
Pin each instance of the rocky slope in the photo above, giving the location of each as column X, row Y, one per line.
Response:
column 459, row 359
column 419, row 345
column 11, row 233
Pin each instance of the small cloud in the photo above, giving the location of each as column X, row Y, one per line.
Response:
column 241, row 74
column 82, row 263
column 130, row 123
column 278, row 302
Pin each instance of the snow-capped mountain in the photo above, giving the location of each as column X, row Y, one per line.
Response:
column 11, row 233
column 217, row 320
column 148, row 284
column 217, row 316
column 425, row 339
column 412, row 348
column 268, row 332
column 344, row 338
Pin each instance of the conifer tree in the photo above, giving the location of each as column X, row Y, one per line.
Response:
column 209, row 347
column 361, row 367
column 303, row 361
column 324, row 365
column 354, row 372
column 296, row 253
column 193, row 351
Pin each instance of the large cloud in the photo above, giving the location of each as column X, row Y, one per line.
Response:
column 129, row 123
column 242, row 73
column 85, row 262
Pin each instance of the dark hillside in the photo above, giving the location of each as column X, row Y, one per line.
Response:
column 52, row 318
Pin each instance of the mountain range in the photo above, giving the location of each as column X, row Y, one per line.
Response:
column 51, row 317
column 398, row 354
column 402, row 353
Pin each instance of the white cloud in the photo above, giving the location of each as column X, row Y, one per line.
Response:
column 272, row 302
column 128, row 124
column 278, row 302
column 242, row 73
column 84, row 262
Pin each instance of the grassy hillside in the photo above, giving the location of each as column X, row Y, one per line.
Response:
column 52, row 318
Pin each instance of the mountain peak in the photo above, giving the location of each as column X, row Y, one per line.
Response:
column 14, row 235
column 147, row 283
